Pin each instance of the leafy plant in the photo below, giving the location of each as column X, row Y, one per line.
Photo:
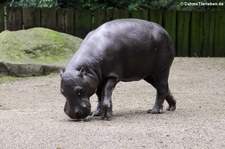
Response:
column 33, row 3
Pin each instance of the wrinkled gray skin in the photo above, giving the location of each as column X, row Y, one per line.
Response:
column 120, row 50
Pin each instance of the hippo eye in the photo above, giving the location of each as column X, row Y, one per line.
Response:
column 78, row 90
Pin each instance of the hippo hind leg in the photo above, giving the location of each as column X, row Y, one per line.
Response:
column 163, row 93
column 171, row 101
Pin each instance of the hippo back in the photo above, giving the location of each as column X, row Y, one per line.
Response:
column 128, row 49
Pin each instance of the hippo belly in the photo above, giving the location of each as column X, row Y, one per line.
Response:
column 129, row 66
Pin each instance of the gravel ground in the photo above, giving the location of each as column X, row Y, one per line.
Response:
column 31, row 113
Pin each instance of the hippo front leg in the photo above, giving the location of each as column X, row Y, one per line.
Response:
column 106, row 98
column 97, row 111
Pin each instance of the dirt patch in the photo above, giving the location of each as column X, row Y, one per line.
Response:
column 31, row 113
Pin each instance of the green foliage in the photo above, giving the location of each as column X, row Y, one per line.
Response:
column 47, row 3
column 33, row 3
column 92, row 5
column 3, row 1
column 69, row 3
column 124, row 4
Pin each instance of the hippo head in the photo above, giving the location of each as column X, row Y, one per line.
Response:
column 77, row 87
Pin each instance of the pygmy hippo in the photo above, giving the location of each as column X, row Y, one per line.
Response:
column 119, row 50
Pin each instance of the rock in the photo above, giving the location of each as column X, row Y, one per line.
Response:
column 26, row 70
column 36, row 51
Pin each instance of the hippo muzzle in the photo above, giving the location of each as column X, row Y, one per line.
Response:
column 78, row 111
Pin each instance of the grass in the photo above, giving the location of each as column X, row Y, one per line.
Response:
column 6, row 79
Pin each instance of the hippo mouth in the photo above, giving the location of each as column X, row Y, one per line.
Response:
column 86, row 119
column 79, row 118
column 78, row 115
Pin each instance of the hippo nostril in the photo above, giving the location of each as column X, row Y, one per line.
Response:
column 76, row 112
column 86, row 105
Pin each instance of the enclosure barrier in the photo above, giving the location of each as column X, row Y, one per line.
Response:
column 195, row 33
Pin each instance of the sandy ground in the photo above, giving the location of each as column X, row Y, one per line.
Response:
column 31, row 113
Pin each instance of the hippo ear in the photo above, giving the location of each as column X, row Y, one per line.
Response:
column 82, row 72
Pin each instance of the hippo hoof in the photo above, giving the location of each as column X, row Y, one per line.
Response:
column 96, row 113
column 106, row 113
column 155, row 111
column 171, row 108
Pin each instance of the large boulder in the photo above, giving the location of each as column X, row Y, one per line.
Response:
column 36, row 51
